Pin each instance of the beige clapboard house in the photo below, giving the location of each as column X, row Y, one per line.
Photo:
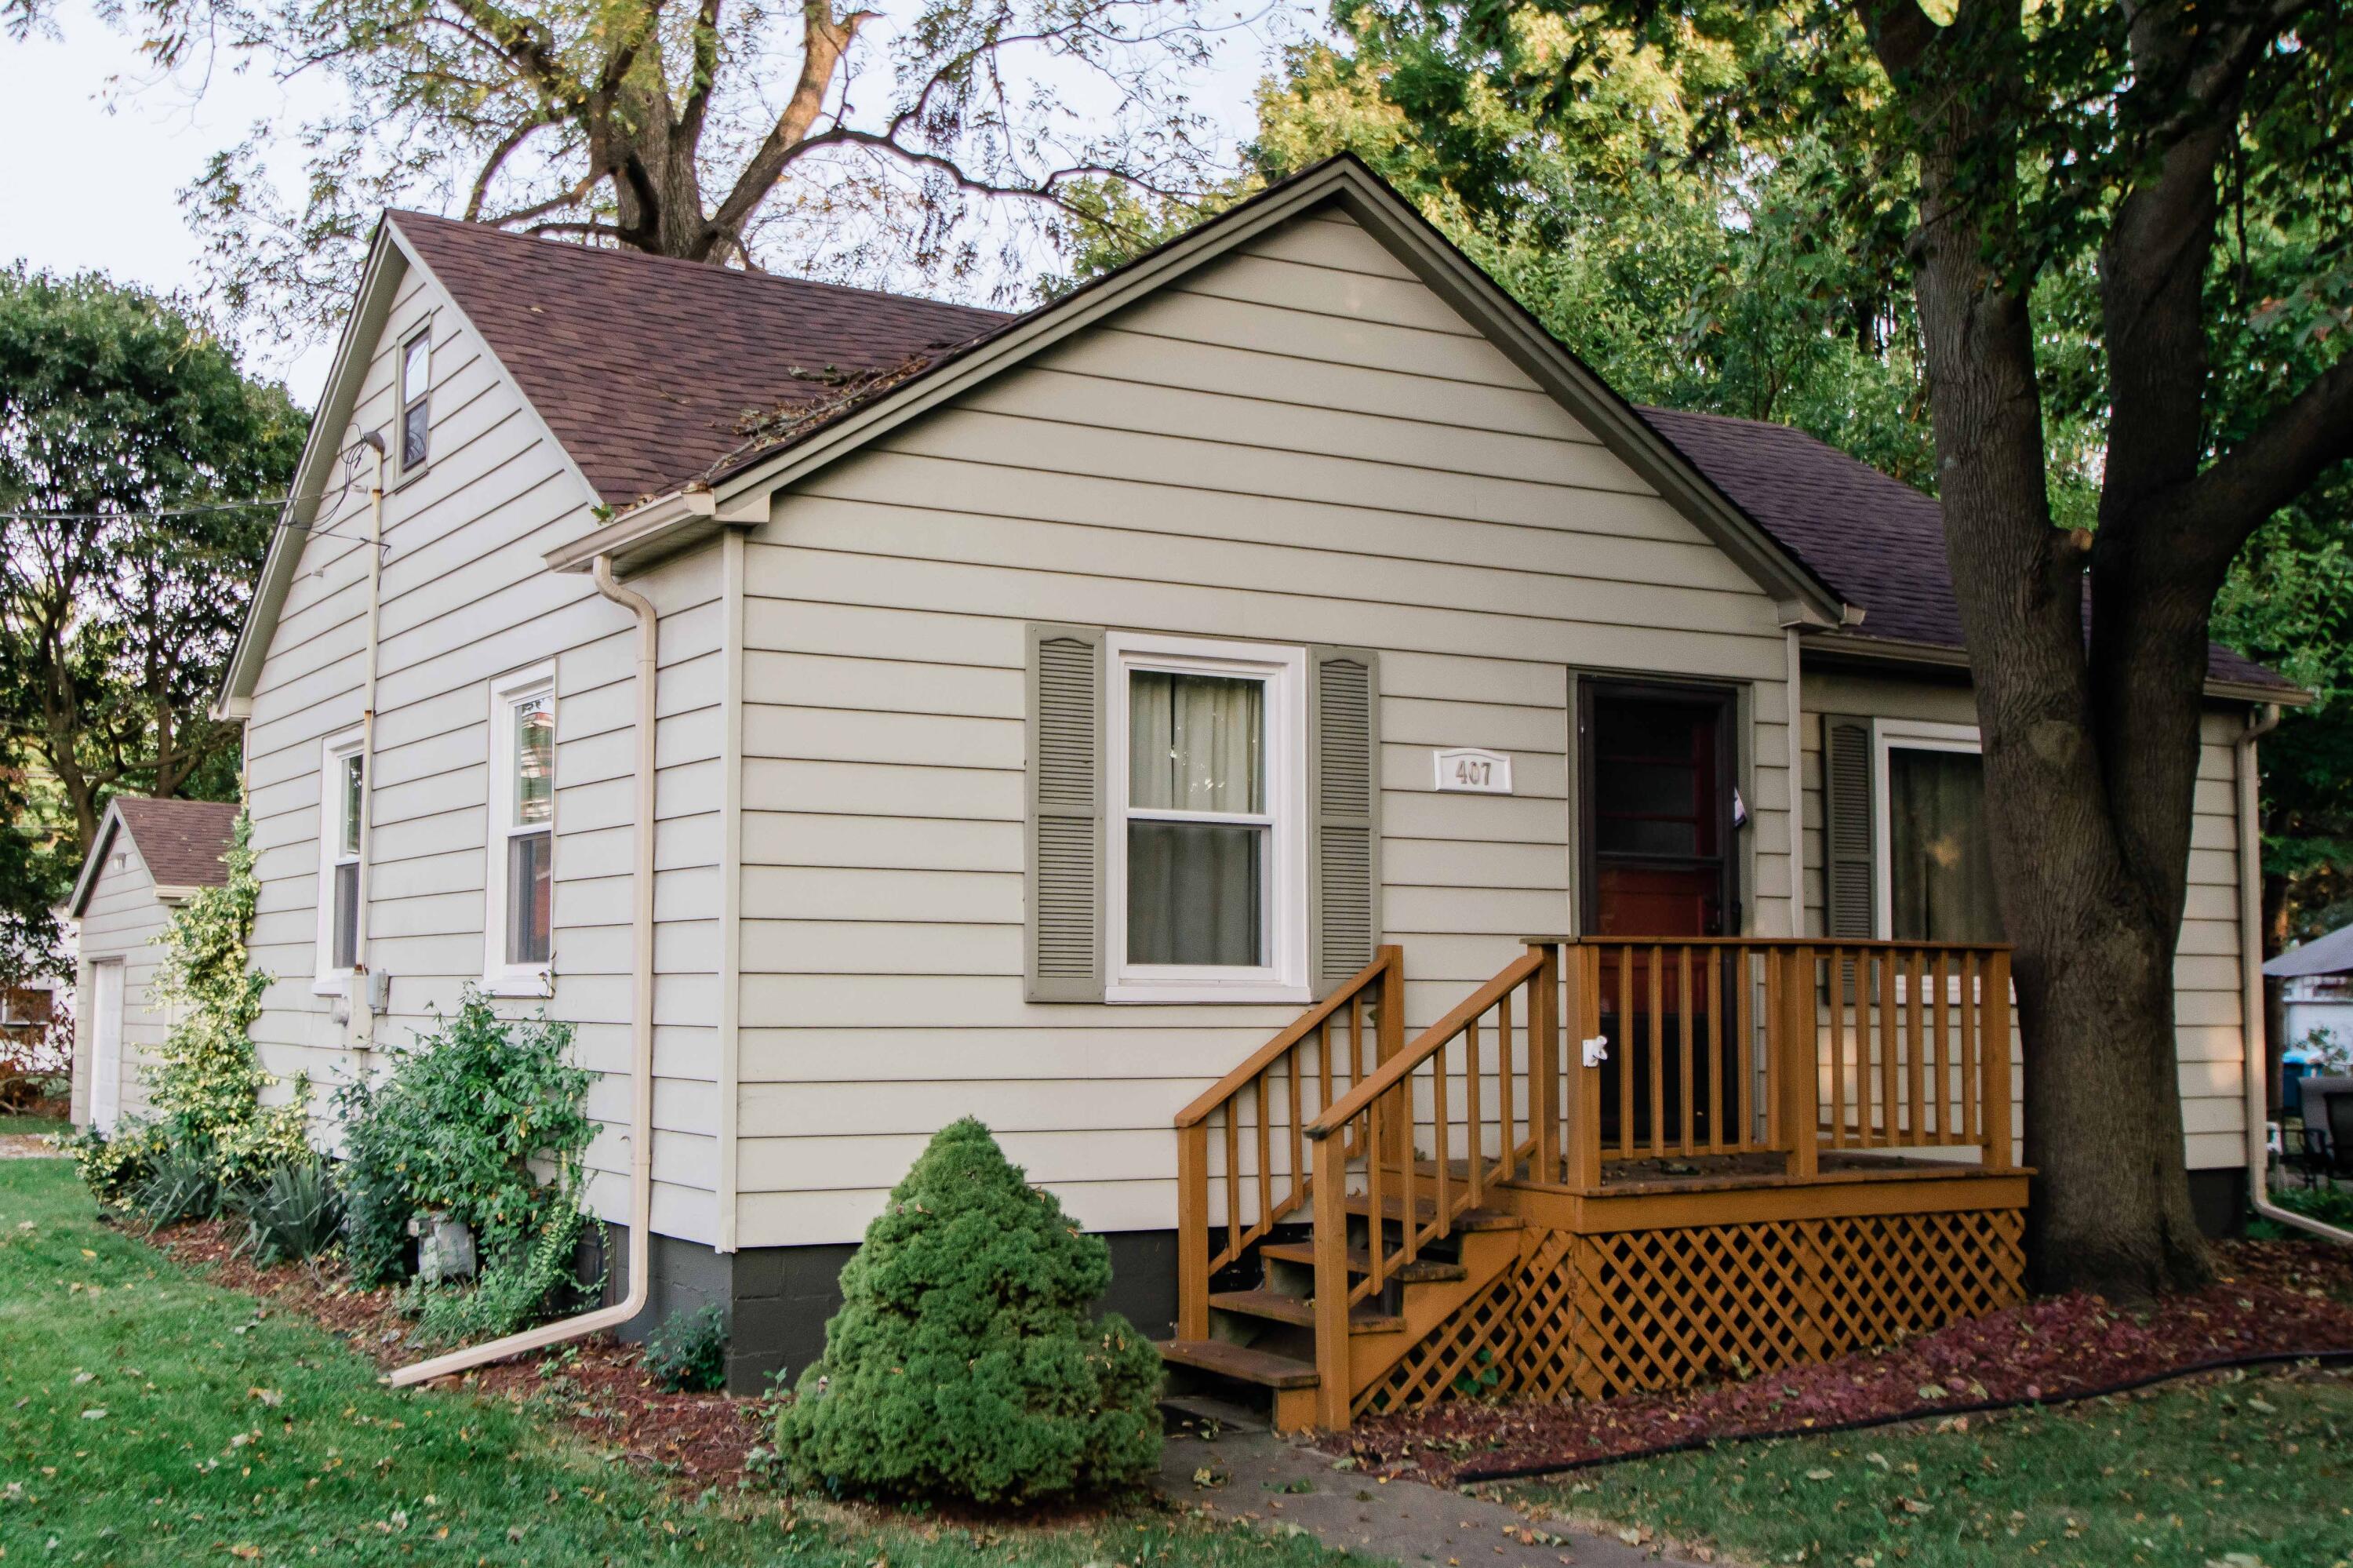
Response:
column 1157, row 724
column 146, row 859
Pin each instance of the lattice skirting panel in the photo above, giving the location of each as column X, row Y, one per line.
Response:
column 1593, row 1316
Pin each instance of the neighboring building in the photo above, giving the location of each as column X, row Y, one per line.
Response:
column 148, row 857
column 2317, row 995
column 1051, row 707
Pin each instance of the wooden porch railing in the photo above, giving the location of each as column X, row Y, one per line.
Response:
column 1488, row 1113
column 1259, row 1113
column 1746, row 1045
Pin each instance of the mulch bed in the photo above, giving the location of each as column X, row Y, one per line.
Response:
column 597, row 1385
column 2275, row 1297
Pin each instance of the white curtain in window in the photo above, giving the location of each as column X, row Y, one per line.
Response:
column 1195, row 889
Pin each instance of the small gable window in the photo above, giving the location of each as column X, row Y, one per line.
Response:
column 415, row 400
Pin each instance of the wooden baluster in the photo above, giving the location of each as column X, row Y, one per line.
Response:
column 1918, row 1131
column 1777, row 1015
column 1408, row 1178
column 1546, row 1043
column 1193, row 1232
column 1265, row 1156
column 1744, row 1055
column 1839, row 969
column 1388, row 1027
column 1658, row 1050
column 1800, row 1090
column 1375, row 1208
column 1944, row 1049
column 1993, row 1052
column 1506, row 1145
column 1887, row 1024
column 1972, row 1089
column 1626, row 1047
column 1298, row 1126
column 1715, row 1096
column 1683, row 1034
column 1234, row 1178
column 1474, row 1137
column 1438, row 1138
column 1323, row 1066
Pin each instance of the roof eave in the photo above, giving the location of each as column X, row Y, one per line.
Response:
column 100, row 843
column 646, row 533
column 1938, row 656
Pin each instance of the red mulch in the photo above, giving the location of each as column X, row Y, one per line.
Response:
column 2277, row 1297
column 596, row 1386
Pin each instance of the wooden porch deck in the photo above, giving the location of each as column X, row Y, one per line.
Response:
column 1765, row 1152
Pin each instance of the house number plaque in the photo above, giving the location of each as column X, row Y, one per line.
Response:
column 1467, row 770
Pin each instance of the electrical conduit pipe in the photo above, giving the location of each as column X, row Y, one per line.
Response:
column 641, row 1069
column 2256, row 1051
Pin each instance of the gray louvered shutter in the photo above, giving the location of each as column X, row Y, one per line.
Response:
column 1850, row 847
column 1344, row 811
column 1065, row 961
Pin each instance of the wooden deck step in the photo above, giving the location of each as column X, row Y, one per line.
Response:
column 1426, row 1210
column 1278, row 1307
column 1421, row 1271
column 1240, row 1363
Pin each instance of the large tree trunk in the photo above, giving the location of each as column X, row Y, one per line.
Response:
column 2085, row 845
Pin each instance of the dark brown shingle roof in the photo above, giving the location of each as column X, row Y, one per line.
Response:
column 1873, row 538
column 653, row 372
column 646, row 367
column 181, row 841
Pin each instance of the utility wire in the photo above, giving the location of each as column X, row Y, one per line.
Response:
column 141, row 512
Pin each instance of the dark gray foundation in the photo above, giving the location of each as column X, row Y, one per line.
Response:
column 2219, row 1199
column 778, row 1299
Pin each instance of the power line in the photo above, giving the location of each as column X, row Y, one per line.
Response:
column 141, row 512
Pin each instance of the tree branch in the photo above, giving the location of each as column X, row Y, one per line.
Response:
column 824, row 40
column 2308, row 434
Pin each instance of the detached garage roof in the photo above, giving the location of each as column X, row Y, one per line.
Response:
column 180, row 843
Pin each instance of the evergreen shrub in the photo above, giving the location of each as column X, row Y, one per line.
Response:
column 965, row 1363
column 688, row 1353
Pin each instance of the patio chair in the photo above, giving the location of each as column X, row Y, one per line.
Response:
column 2340, row 1132
column 2323, row 1151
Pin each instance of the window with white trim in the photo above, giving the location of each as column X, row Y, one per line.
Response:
column 1206, row 889
column 415, row 400
column 518, row 919
column 1936, row 862
column 343, row 823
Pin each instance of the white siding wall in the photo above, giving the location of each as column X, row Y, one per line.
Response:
column 121, row 921
column 1301, row 445
column 2206, row 968
column 466, row 600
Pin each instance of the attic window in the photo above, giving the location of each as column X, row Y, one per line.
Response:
column 416, row 399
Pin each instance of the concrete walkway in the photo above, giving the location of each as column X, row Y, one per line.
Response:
column 1253, row 1474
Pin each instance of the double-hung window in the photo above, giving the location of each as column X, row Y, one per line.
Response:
column 342, row 825
column 415, row 400
column 1207, row 888
column 1936, row 881
column 518, row 924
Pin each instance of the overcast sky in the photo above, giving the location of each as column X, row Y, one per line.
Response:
column 93, row 172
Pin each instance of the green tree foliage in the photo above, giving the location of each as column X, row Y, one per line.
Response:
column 206, row 1085
column 114, row 624
column 464, row 1124
column 964, row 1363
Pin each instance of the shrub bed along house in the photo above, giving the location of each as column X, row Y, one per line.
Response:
column 964, row 1363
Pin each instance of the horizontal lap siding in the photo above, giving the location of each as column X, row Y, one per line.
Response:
column 1302, row 445
column 2208, row 1038
column 466, row 600
column 121, row 920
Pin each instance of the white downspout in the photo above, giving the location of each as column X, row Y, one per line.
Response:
column 641, row 1069
column 360, row 1024
column 2253, row 1023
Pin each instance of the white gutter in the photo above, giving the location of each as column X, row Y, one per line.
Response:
column 641, row 1069
column 2256, row 1052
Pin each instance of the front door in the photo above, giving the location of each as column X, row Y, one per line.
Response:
column 1657, row 844
column 106, row 1045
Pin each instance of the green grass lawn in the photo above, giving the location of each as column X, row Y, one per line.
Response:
column 34, row 1124
column 2257, row 1471
column 147, row 1418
